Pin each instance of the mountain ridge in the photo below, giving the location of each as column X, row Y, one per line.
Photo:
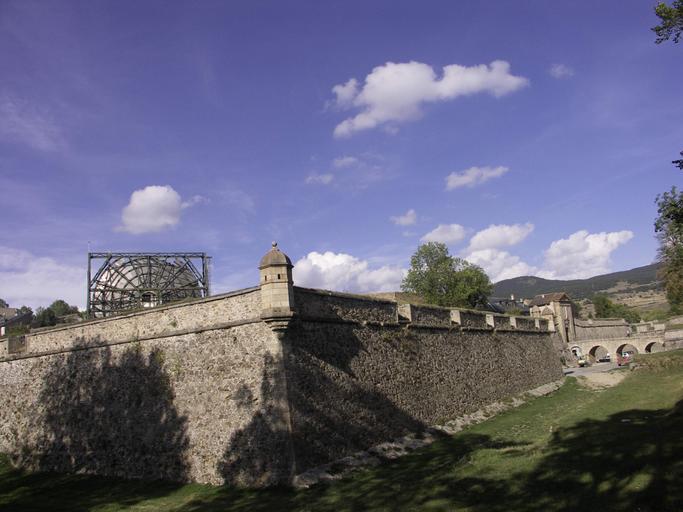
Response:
column 639, row 279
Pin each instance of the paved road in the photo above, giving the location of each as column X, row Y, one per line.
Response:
column 587, row 370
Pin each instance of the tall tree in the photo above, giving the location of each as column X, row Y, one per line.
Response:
column 3, row 304
column 61, row 307
column 440, row 279
column 44, row 317
column 671, row 21
column 669, row 230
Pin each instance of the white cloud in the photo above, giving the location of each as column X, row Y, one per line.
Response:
column 29, row 280
column 500, row 265
column 319, row 179
column 500, row 235
column 560, row 71
column 24, row 123
column 344, row 161
column 395, row 92
column 408, row 219
column 473, row 176
column 445, row 233
column 196, row 199
column 153, row 209
column 582, row 254
column 343, row 272
column 345, row 93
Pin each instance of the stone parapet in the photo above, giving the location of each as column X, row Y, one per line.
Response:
column 313, row 303
column 186, row 316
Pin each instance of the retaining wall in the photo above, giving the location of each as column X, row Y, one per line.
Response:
column 206, row 392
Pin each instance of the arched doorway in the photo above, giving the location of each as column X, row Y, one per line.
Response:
column 627, row 347
column 653, row 347
column 625, row 354
column 576, row 350
column 598, row 353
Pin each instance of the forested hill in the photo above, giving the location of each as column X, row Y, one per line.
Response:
column 636, row 279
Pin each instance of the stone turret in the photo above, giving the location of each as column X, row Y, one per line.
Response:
column 277, row 288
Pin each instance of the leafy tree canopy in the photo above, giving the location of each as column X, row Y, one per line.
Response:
column 678, row 163
column 605, row 308
column 3, row 304
column 61, row 308
column 441, row 279
column 671, row 21
column 669, row 230
column 44, row 317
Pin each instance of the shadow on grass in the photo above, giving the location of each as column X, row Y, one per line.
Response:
column 632, row 461
column 98, row 413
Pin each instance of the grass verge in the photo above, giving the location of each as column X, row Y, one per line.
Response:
column 617, row 449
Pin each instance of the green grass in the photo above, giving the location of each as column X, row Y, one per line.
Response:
column 619, row 449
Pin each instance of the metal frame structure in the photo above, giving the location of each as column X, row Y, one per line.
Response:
column 133, row 280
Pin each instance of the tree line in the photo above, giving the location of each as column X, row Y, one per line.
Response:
column 43, row 317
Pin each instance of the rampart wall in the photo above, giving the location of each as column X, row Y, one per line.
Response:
column 206, row 391
column 354, row 382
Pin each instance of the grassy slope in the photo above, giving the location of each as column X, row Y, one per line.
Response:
column 616, row 449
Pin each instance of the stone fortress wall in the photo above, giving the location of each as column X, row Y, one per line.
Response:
column 231, row 389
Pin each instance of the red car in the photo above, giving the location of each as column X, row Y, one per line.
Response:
column 624, row 358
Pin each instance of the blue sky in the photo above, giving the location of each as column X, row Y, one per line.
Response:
column 532, row 137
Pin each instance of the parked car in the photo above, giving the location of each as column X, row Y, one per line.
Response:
column 606, row 358
column 624, row 358
column 583, row 361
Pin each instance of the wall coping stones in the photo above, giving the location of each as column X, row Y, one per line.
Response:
column 164, row 334
column 331, row 293
column 155, row 309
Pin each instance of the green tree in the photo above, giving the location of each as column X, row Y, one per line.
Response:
column 439, row 278
column 669, row 230
column 671, row 21
column 3, row 304
column 678, row 163
column 44, row 317
column 61, row 308
column 605, row 308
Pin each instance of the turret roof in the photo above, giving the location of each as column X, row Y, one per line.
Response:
column 275, row 257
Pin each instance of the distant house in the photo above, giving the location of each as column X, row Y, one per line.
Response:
column 507, row 305
column 11, row 317
column 556, row 308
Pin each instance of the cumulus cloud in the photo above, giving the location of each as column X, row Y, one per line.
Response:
column 24, row 123
column 500, row 235
column 345, row 93
column 319, row 179
column 500, row 265
column 445, row 233
column 473, row 176
column 407, row 219
column 29, row 280
column 345, row 161
column 395, row 92
column 153, row 209
column 560, row 71
column 582, row 254
column 343, row 272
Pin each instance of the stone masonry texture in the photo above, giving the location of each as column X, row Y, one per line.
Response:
column 206, row 392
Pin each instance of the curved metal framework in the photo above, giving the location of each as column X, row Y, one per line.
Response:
column 133, row 280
